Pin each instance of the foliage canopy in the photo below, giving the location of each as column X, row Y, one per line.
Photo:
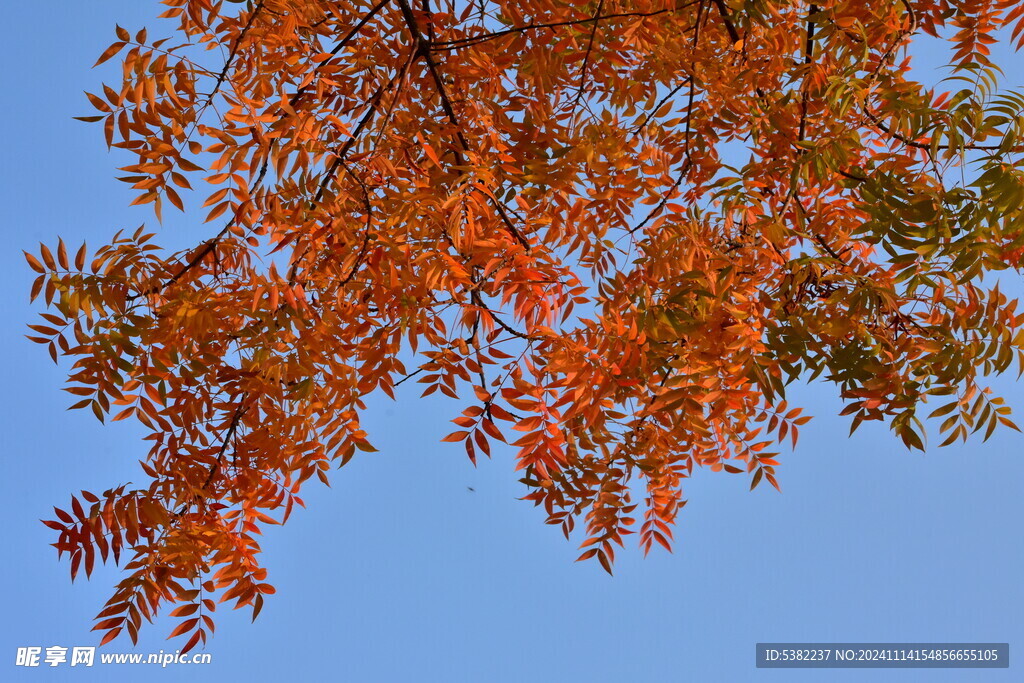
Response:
column 614, row 230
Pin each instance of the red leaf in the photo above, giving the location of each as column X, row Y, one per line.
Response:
column 456, row 436
column 192, row 641
column 184, row 610
column 184, row 627
column 111, row 634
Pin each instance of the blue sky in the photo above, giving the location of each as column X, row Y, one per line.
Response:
column 400, row 573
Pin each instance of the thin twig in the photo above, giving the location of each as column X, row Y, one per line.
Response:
column 586, row 57
column 474, row 40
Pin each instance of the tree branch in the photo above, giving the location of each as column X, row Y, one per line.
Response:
column 234, row 50
column 808, row 60
column 586, row 57
column 474, row 40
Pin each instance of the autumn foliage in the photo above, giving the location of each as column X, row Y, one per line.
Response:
column 614, row 231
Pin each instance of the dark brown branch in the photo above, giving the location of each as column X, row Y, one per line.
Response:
column 474, row 40
column 672, row 93
column 339, row 161
column 729, row 26
column 686, row 144
column 345, row 41
column 409, row 376
column 234, row 50
column 479, row 302
column 212, row 244
column 206, row 250
column 430, row 22
column 586, row 57
column 509, row 225
column 665, row 199
column 340, row 155
column 851, row 176
column 399, row 82
column 236, row 419
column 423, row 50
column 808, row 60
column 369, row 226
column 886, row 59
column 817, row 236
column 914, row 143
column 232, row 429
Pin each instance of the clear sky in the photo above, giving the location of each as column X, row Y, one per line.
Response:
column 400, row 573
